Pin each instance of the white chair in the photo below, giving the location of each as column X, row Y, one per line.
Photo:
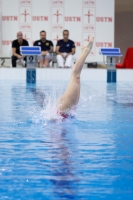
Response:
column 51, row 64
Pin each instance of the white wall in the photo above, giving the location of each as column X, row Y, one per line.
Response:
column 41, row 14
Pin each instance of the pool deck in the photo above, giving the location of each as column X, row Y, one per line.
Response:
column 64, row 74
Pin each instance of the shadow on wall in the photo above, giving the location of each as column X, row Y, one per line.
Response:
column 124, row 30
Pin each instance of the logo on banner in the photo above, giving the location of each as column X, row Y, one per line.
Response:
column 104, row 19
column 0, row 18
column 77, row 44
column 58, row 3
column 10, row 18
column 27, row 36
column 89, row 2
column 88, row 19
column 25, row 18
column 57, row 15
column 104, row 44
column 40, row 18
column 86, row 38
column 73, row 19
column 6, row 42
column 57, row 19
column 89, row 15
column 56, row 37
column 25, row 14
column 25, row 2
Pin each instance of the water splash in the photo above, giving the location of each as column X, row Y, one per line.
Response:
column 48, row 115
column 49, row 110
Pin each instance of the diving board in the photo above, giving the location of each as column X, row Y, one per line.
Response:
column 31, row 50
column 32, row 53
column 109, row 58
column 110, row 51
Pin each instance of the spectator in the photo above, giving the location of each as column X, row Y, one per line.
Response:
column 65, row 49
column 16, row 44
column 46, row 48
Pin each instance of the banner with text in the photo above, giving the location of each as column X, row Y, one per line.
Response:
column 83, row 19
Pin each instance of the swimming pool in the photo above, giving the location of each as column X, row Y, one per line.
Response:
column 86, row 157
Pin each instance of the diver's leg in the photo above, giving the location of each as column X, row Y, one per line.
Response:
column 71, row 96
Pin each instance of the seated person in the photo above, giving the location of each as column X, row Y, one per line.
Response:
column 16, row 50
column 46, row 48
column 65, row 49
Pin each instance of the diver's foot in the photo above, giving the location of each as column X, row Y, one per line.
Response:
column 88, row 47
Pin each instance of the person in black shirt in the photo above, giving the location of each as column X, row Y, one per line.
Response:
column 16, row 49
column 65, row 49
column 46, row 48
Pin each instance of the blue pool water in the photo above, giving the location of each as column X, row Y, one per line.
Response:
column 86, row 157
